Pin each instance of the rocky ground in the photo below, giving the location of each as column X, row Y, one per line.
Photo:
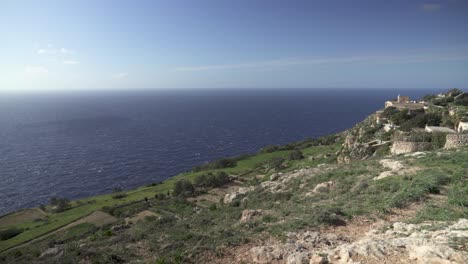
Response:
column 434, row 242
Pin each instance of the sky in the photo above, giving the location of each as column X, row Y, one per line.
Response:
column 102, row 45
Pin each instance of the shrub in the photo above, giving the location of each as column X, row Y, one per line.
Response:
column 462, row 100
column 327, row 140
column 217, row 164
column 329, row 216
column 421, row 121
column 118, row 193
column 296, row 155
column 60, row 204
column 390, row 111
column 212, row 180
column 183, row 188
column 438, row 140
column 276, row 163
column 10, row 232
column 269, row 149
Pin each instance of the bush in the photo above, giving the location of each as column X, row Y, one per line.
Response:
column 296, row 155
column 118, row 193
column 183, row 188
column 269, row 149
column 329, row 216
column 10, row 232
column 212, row 180
column 390, row 111
column 217, row 164
column 431, row 119
column 438, row 140
column 60, row 204
column 276, row 163
column 462, row 100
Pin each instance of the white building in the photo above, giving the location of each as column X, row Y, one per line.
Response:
column 462, row 126
column 432, row 129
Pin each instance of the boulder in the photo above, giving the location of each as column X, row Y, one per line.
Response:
column 298, row 258
column 229, row 197
column 324, row 186
column 249, row 215
column 318, row 259
column 51, row 252
column 266, row 254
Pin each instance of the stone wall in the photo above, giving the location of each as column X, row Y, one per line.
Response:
column 401, row 147
column 456, row 141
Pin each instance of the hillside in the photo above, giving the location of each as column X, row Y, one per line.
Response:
column 345, row 198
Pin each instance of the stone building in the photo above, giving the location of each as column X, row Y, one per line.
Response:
column 403, row 102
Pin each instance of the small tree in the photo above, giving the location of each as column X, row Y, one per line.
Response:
column 118, row 193
column 183, row 188
column 296, row 155
column 60, row 204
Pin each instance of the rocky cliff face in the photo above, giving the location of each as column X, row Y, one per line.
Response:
column 354, row 146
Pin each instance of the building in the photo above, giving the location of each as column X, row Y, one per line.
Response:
column 435, row 129
column 462, row 126
column 403, row 102
column 403, row 99
column 389, row 127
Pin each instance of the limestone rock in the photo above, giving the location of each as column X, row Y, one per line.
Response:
column 266, row 254
column 229, row 197
column 249, row 215
column 51, row 252
column 324, row 186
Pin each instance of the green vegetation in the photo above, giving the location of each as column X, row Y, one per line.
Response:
column 212, row 180
column 218, row 164
column 295, row 155
column 59, row 204
column 183, row 188
column 10, row 232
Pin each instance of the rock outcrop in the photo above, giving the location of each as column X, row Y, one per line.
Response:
column 403, row 147
column 454, row 141
column 324, row 187
column 230, row 197
column 404, row 243
column 249, row 215
column 355, row 145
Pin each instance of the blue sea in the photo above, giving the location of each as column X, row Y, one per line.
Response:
column 75, row 145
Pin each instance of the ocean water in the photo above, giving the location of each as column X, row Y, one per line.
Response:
column 80, row 144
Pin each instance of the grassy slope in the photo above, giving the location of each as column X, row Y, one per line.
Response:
column 440, row 183
column 91, row 204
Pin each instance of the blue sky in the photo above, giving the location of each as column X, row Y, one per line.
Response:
column 73, row 45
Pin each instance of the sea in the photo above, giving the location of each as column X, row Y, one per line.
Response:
column 78, row 144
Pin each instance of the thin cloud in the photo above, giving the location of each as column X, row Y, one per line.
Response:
column 71, row 62
column 52, row 51
column 35, row 70
column 66, row 51
column 430, row 7
column 370, row 59
column 120, row 75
